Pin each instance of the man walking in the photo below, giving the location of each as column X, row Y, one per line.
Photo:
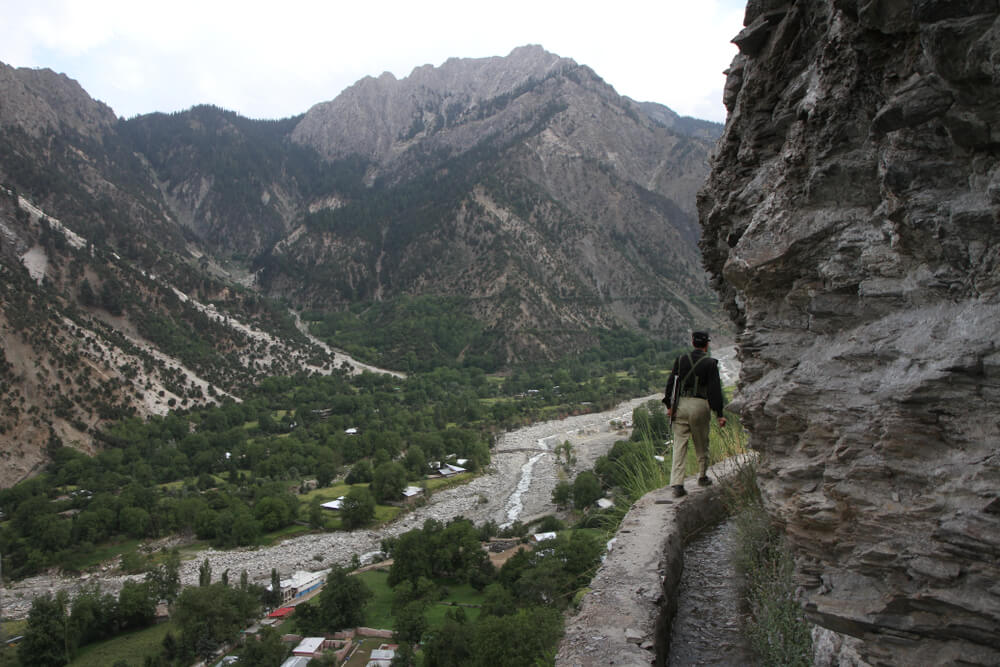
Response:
column 694, row 390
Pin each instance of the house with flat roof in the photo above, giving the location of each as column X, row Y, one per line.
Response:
column 542, row 537
column 281, row 612
column 301, row 583
column 381, row 657
column 310, row 647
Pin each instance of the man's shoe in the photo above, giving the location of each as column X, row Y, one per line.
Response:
column 679, row 490
column 704, row 481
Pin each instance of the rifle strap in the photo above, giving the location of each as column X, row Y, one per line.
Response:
column 693, row 365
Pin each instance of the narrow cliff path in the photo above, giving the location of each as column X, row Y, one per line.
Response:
column 625, row 617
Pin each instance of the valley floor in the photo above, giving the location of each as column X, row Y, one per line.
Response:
column 493, row 496
column 517, row 486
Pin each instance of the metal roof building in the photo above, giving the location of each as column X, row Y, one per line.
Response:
column 309, row 646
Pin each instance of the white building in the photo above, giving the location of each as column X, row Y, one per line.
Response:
column 301, row 583
column 381, row 657
column 337, row 504
column 309, row 647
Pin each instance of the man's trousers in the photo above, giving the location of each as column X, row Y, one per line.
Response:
column 691, row 421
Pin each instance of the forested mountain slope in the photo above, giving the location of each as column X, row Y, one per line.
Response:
column 518, row 202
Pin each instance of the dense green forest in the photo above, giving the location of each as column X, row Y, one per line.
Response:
column 421, row 333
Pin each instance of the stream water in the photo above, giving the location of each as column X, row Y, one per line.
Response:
column 706, row 629
column 515, row 504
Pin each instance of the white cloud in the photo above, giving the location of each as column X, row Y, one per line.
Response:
column 278, row 59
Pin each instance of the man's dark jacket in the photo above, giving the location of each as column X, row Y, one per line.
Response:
column 709, row 386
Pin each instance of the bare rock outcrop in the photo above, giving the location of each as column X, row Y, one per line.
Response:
column 404, row 125
column 851, row 225
column 379, row 118
column 39, row 101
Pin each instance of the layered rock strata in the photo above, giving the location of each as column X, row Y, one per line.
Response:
column 851, row 226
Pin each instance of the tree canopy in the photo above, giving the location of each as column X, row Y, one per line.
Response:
column 341, row 605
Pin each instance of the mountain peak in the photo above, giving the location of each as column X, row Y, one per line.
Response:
column 376, row 118
column 40, row 100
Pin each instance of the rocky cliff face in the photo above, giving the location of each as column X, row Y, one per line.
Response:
column 851, row 224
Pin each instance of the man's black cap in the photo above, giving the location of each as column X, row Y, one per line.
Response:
column 700, row 338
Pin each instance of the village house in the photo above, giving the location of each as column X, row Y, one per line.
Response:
column 313, row 647
column 335, row 505
column 300, row 584
column 411, row 494
column 382, row 656
column 277, row 617
column 449, row 470
column 445, row 469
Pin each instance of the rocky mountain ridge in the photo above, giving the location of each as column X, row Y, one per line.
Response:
column 380, row 118
column 40, row 101
column 851, row 225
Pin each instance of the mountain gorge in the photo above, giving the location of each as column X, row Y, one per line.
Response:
column 152, row 253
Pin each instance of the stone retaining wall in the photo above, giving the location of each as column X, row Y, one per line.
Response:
column 625, row 618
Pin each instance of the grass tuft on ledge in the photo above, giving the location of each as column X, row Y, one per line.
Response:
column 775, row 625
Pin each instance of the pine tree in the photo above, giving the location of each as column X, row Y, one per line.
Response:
column 205, row 574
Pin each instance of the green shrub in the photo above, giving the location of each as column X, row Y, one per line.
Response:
column 776, row 628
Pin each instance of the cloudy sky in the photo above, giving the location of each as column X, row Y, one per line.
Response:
column 277, row 59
